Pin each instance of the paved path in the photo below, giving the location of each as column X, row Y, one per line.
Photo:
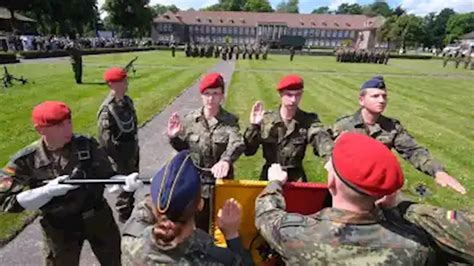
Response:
column 26, row 248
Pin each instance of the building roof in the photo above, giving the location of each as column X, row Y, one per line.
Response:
column 5, row 14
column 469, row 35
column 252, row 19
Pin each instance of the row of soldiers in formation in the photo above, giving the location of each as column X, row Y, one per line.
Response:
column 459, row 57
column 227, row 52
column 362, row 56
column 209, row 142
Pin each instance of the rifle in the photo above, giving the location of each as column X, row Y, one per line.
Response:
column 8, row 79
column 130, row 66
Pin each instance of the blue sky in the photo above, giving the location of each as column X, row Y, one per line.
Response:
column 419, row 7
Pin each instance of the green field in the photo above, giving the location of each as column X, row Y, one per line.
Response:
column 158, row 80
column 434, row 104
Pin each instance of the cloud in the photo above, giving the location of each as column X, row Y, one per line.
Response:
column 336, row 3
column 423, row 7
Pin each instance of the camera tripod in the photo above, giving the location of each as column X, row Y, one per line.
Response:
column 8, row 79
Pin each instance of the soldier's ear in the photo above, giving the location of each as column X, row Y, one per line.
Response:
column 40, row 130
column 200, row 204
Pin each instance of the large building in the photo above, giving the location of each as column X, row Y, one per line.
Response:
column 322, row 30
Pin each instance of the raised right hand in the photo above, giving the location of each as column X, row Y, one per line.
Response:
column 174, row 125
column 256, row 115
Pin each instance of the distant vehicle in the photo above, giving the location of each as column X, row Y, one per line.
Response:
column 451, row 50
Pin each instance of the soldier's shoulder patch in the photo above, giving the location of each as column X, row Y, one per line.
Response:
column 293, row 219
column 344, row 118
column 30, row 149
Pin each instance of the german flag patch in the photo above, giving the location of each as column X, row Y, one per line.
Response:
column 6, row 183
column 451, row 216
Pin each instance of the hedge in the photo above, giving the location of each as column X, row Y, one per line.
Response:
column 61, row 53
column 8, row 58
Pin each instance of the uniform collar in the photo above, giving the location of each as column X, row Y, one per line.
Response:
column 348, row 217
column 297, row 118
column 41, row 156
column 199, row 115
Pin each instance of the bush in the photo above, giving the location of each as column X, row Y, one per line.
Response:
column 8, row 58
column 410, row 56
column 61, row 53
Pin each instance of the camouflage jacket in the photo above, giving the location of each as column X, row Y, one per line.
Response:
column 337, row 237
column 452, row 231
column 35, row 164
column 390, row 132
column 210, row 141
column 286, row 144
column 140, row 248
column 118, row 133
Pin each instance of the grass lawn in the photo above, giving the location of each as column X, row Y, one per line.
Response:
column 434, row 104
column 158, row 80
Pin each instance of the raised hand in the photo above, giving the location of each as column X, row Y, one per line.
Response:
column 174, row 125
column 229, row 219
column 256, row 115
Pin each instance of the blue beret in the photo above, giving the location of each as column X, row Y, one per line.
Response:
column 374, row 83
column 175, row 185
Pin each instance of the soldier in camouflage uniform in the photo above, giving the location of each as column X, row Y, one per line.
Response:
column 69, row 214
column 452, row 231
column 118, row 133
column 285, row 132
column 212, row 136
column 76, row 60
column 353, row 231
column 162, row 228
column 292, row 53
column 370, row 121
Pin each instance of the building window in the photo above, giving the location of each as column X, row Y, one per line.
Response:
column 224, row 30
column 323, row 33
column 334, row 33
column 305, row 33
column 352, row 34
column 333, row 43
column 346, row 33
column 252, row 31
column 328, row 33
column 300, row 32
column 241, row 30
column 340, row 33
column 208, row 29
column 213, row 30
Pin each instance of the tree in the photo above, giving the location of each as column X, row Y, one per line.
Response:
column 459, row 25
column 378, row 8
column 407, row 30
column 321, row 10
column 227, row 5
column 64, row 17
column 288, row 7
column 159, row 9
column 258, row 6
column 130, row 17
column 439, row 26
column 353, row 9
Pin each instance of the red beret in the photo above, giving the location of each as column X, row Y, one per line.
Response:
column 291, row 82
column 212, row 80
column 366, row 165
column 114, row 74
column 50, row 113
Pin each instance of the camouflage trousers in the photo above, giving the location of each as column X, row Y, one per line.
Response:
column 64, row 237
column 77, row 69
